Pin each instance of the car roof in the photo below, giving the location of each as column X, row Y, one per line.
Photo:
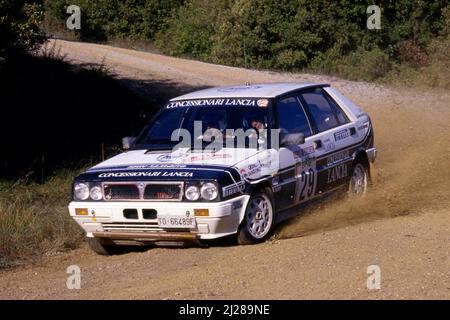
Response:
column 260, row 90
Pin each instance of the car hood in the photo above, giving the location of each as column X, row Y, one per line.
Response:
column 225, row 157
column 182, row 164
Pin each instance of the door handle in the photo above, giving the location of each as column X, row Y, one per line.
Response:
column 352, row 131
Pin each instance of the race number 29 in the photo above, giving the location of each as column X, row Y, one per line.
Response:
column 307, row 184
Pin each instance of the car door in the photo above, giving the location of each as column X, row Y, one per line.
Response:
column 297, row 178
column 334, row 136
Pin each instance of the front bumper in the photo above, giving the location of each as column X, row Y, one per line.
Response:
column 106, row 220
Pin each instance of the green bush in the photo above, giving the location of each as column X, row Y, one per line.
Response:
column 191, row 31
column 294, row 35
column 111, row 19
column 361, row 64
column 19, row 28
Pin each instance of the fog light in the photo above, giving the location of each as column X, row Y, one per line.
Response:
column 201, row 212
column 81, row 212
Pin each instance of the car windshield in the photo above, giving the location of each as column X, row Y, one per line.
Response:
column 203, row 124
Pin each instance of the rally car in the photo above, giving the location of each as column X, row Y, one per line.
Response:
column 226, row 161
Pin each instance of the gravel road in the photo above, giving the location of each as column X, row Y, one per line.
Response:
column 402, row 226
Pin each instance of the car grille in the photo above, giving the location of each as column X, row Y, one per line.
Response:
column 121, row 192
column 143, row 191
column 162, row 192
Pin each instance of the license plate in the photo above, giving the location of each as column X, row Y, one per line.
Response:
column 176, row 222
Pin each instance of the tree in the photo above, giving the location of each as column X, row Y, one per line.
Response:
column 19, row 28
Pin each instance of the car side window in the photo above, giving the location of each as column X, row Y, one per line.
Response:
column 292, row 118
column 322, row 110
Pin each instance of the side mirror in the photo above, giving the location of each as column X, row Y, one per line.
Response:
column 127, row 142
column 293, row 139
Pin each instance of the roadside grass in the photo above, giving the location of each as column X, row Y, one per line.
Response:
column 34, row 219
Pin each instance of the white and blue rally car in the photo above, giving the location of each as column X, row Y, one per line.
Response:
column 226, row 161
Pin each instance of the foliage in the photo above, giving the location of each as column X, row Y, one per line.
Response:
column 321, row 35
column 112, row 19
column 19, row 28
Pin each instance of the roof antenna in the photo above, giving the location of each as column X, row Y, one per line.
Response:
column 247, row 83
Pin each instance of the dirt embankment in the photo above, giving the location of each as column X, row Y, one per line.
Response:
column 402, row 226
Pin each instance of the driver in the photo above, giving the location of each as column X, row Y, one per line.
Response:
column 254, row 120
column 257, row 124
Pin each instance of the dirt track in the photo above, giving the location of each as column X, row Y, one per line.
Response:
column 402, row 226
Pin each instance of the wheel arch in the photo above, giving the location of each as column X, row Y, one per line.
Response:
column 360, row 156
column 252, row 189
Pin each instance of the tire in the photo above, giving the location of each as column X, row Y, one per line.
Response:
column 359, row 180
column 259, row 219
column 97, row 246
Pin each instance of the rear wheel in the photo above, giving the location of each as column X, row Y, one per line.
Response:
column 259, row 219
column 359, row 180
column 99, row 247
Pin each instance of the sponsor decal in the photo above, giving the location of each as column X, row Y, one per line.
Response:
column 233, row 188
column 263, row 103
column 337, row 157
column 303, row 152
column 157, row 166
column 330, row 146
column 212, row 102
column 183, row 174
column 340, row 135
column 207, row 156
column 337, row 173
column 251, row 170
column 167, row 157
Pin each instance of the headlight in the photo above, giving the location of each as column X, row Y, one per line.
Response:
column 96, row 193
column 81, row 191
column 192, row 193
column 209, row 191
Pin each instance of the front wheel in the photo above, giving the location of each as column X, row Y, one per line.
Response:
column 359, row 180
column 258, row 221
